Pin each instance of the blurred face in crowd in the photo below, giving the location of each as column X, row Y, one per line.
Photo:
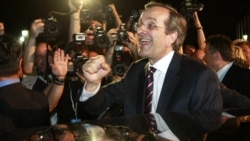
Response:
column 89, row 33
column 1, row 28
column 154, row 43
column 41, row 56
column 210, row 58
column 246, row 52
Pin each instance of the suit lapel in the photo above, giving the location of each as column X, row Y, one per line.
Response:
column 142, row 90
column 170, row 83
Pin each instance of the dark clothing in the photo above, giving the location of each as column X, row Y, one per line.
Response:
column 189, row 85
column 39, row 85
column 22, row 108
column 238, row 79
column 233, row 100
column 69, row 102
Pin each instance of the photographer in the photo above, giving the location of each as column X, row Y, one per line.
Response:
column 123, row 50
column 102, row 23
column 39, row 75
column 37, row 57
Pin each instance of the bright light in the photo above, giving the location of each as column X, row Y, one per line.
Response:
column 21, row 39
column 25, row 33
column 245, row 37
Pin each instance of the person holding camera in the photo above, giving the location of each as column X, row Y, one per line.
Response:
column 37, row 55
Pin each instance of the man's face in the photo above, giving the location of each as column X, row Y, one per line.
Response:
column 210, row 58
column 41, row 56
column 246, row 52
column 153, row 41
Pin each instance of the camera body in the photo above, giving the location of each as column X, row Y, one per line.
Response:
column 122, row 33
column 119, row 59
column 188, row 7
column 191, row 7
column 79, row 38
column 52, row 28
column 76, row 63
column 86, row 16
column 133, row 20
column 101, row 39
column 118, row 66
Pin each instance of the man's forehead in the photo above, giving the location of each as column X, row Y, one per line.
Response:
column 154, row 12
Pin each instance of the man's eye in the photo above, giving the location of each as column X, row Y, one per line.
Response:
column 151, row 26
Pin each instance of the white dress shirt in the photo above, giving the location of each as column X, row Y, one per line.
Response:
column 222, row 72
column 161, row 67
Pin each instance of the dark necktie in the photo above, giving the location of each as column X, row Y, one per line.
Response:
column 149, row 90
column 149, row 97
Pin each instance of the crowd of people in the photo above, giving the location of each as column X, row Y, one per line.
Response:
column 45, row 84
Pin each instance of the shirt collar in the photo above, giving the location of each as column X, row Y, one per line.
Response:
column 222, row 72
column 163, row 64
column 9, row 81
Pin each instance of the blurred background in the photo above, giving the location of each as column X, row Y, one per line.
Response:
column 217, row 16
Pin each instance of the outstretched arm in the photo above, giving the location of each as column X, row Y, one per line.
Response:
column 200, row 33
column 37, row 27
column 75, row 21
column 59, row 69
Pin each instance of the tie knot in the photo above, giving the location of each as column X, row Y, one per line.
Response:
column 152, row 69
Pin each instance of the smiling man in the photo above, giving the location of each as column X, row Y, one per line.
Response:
column 180, row 84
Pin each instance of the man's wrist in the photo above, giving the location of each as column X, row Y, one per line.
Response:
column 90, row 87
column 59, row 81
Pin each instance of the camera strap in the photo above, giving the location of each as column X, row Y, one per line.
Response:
column 74, row 105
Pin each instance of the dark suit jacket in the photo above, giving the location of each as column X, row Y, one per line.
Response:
column 233, row 99
column 22, row 108
column 188, row 85
column 238, row 79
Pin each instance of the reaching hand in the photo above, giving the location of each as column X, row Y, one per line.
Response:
column 37, row 27
column 75, row 5
column 59, row 66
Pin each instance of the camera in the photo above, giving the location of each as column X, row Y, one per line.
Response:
column 85, row 16
column 119, row 67
column 188, row 7
column 78, row 38
column 52, row 28
column 101, row 39
column 122, row 33
column 133, row 20
column 108, row 14
column 76, row 63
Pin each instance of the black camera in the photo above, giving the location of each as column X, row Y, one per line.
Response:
column 118, row 66
column 76, row 63
column 101, row 39
column 133, row 20
column 188, row 7
column 52, row 28
column 107, row 14
column 122, row 33
column 86, row 16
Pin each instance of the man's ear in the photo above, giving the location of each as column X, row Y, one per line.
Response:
column 171, row 38
column 217, row 55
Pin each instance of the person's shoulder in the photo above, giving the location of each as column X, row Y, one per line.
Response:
column 191, row 65
column 37, row 96
column 239, row 70
column 191, row 61
column 140, row 63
